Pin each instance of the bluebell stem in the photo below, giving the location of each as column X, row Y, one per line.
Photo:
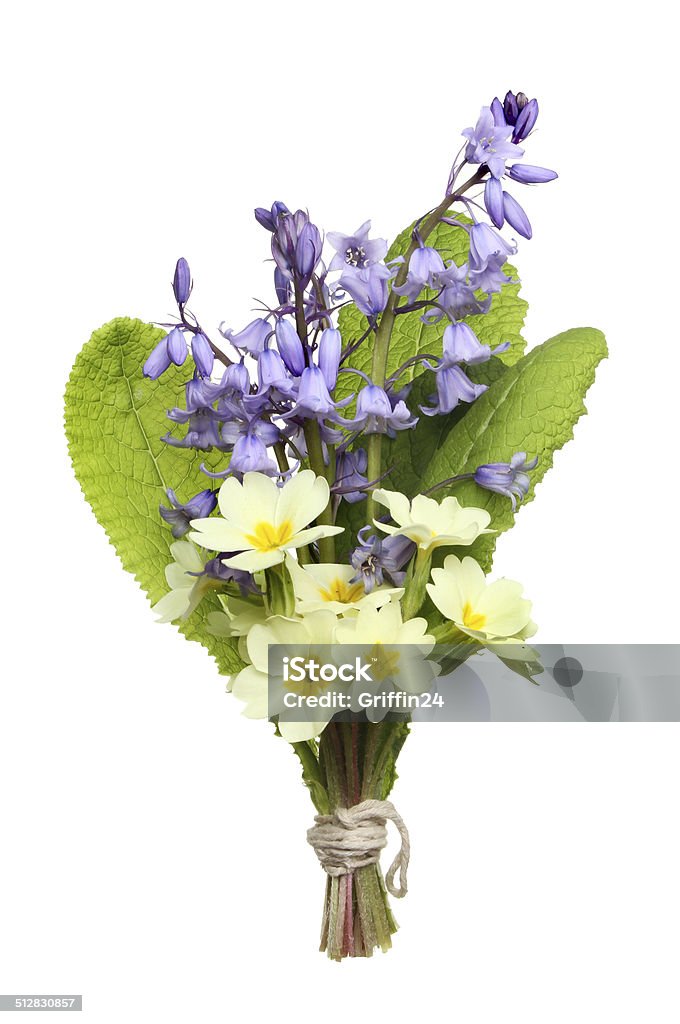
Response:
column 423, row 269
column 251, row 339
column 376, row 557
column 290, row 347
column 203, row 354
column 180, row 514
column 181, row 282
column 510, row 479
column 330, row 348
column 357, row 251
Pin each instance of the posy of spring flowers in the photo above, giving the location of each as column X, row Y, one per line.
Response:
column 356, row 449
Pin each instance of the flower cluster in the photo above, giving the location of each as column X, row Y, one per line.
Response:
column 306, row 432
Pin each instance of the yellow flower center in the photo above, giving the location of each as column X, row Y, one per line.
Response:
column 340, row 590
column 384, row 663
column 268, row 537
column 471, row 618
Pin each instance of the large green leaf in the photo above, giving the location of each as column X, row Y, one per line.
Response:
column 532, row 407
column 114, row 422
column 411, row 336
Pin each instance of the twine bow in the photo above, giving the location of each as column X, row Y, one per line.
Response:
column 353, row 837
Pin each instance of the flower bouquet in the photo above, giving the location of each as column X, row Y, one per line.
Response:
column 337, row 472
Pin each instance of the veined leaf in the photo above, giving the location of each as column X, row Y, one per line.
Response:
column 532, row 407
column 114, row 421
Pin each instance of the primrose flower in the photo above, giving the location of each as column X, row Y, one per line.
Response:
column 486, row 611
column 333, row 587
column 263, row 521
column 187, row 584
column 429, row 523
column 263, row 694
column 356, row 251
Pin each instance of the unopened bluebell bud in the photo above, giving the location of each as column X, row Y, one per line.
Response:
column 181, row 282
column 177, row 346
column 204, row 357
column 330, row 348
column 159, row 360
column 290, row 347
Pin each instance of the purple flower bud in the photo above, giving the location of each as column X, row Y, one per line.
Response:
column 307, row 252
column 204, row 357
column 159, row 360
column 181, row 282
column 511, row 107
column 515, row 216
column 497, row 111
column 330, row 349
column 510, row 479
column 290, row 346
column 527, row 174
column 269, row 218
column 180, row 515
column 525, row 121
column 493, row 200
column 281, row 286
column 177, row 346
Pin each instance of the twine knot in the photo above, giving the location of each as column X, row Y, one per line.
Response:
column 352, row 837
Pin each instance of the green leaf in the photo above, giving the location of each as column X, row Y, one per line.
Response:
column 532, row 407
column 114, row 421
column 411, row 336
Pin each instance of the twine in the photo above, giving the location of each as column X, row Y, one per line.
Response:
column 353, row 837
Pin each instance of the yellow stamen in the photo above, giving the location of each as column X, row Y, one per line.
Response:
column 340, row 590
column 472, row 619
column 268, row 537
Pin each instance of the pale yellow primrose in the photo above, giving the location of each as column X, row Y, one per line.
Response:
column 329, row 586
column 186, row 590
column 431, row 524
column 485, row 611
column 252, row 684
column 262, row 521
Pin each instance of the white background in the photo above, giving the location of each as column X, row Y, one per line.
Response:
column 153, row 854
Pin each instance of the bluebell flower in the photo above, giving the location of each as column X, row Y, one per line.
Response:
column 181, row 282
column 510, row 479
column 272, row 374
column 269, row 218
column 461, row 345
column 488, row 143
column 424, row 269
column 453, row 387
column 368, row 288
column 202, row 353
column 457, row 297
column 487, row 245
column 350, row 475
column 199, row 415
column 491, row 276
column 180, row 514
column 313, row 397
column 290, row 346
column 330, row 350
column 375, row 413
column 376, row 557
column 251, row 339
column 250, row 455
column 170, row 349
column 215, row 569
column 356, row 251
